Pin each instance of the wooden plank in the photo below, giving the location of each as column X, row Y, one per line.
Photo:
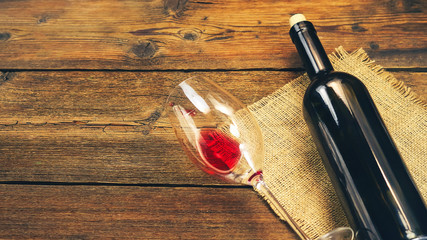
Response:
column 211, row 34
column 108, row 127
column 83, row 153
column 107, row 212
column 108, row 97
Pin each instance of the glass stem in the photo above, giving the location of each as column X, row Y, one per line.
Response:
column 260, row 186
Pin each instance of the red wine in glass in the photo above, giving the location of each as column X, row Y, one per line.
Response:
column 219, row 151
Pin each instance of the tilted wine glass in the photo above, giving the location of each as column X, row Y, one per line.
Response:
column 220, row 135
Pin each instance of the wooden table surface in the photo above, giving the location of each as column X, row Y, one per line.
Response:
column 85, row 152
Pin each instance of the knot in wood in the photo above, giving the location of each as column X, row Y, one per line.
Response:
column 4, row 36
column 190, row 34
column 174, row 8
column 145, row 49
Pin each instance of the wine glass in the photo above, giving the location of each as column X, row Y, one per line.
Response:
column 221, row 136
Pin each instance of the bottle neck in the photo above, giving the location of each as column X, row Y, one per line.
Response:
column 310, row 49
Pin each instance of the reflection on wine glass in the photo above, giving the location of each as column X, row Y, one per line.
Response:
column 221, row 136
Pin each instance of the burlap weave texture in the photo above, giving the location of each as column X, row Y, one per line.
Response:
column 292, row 167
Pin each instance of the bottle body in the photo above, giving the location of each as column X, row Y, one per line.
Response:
column 370, row 178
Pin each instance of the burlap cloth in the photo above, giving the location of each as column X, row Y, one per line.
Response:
column 292, row 167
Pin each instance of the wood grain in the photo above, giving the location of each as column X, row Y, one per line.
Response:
column 113, row 212
column 87, row 152
column 211, row 34
column 108, row 126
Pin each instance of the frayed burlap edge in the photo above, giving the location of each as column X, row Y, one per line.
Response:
column 340, row 53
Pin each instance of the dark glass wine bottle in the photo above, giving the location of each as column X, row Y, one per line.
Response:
column 376, row 190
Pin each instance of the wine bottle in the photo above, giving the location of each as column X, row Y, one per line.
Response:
column 372, row 182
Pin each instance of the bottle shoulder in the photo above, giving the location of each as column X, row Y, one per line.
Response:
column 335, row 84
column 343, row 79
column 335, row 76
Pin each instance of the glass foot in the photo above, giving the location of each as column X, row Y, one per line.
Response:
column 342, row 233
